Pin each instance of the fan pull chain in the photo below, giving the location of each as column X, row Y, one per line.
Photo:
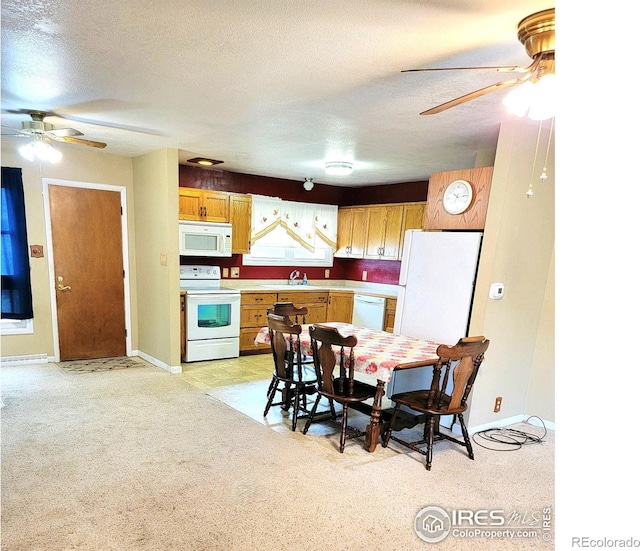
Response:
column 543, row 175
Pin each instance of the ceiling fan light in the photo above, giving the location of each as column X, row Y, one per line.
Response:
column 338, row 168
column 518, row 100
column 542, row 105
column 40, row 149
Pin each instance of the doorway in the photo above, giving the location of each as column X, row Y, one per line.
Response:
column 88, row 265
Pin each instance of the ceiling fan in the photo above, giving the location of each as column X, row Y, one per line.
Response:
column 537, row 32
column 37, row 129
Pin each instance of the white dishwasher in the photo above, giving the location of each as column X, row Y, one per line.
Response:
column 368, row 311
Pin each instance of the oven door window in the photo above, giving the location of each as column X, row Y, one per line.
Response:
column 214, row 315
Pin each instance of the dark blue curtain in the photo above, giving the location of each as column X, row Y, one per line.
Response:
column 16, row 280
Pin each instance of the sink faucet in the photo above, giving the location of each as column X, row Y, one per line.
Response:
column 292, row 276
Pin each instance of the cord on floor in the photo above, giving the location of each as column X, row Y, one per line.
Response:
column 511, row 439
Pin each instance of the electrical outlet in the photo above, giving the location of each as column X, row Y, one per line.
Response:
column 163, row 259
column 235, row 272
column 498, row 404
column 327, row 273
column 225, row 272
column 364, row 275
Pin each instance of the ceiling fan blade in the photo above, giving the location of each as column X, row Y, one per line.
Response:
column 79, row 141
column 473, row 95
column 508, row 69
column 530, row 71
column 64, row 133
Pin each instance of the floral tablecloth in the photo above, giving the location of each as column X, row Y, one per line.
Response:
column 378, row 353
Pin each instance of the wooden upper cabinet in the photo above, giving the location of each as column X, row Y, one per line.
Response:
column 216, row 206
column 203, row 205
column 240, row 218
column 189, row 206
column 384, row 232
column 377, row 231
column 352, row 228
column 412, row 219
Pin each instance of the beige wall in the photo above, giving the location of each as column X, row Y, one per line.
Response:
column 518, row 250
column 79, row 165
column 156, row 214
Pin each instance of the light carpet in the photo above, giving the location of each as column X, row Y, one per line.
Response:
column 138, row 459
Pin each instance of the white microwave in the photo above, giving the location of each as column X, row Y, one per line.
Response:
column 205, row 239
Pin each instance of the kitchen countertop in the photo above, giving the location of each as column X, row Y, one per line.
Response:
column 363, row 288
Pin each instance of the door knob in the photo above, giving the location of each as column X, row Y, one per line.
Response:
column 61, row 286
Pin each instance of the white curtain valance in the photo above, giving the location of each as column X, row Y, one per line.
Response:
column 310, row 225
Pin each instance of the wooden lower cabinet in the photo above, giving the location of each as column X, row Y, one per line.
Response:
column 253, row 316
column 390, row 315
column 315, row 301
column 253, row 313
column 340, row 307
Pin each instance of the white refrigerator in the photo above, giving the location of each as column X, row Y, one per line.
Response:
column 437, row 282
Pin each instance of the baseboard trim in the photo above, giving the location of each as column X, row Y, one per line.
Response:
column 175, row 369
column 24, row 359
column 532, row 419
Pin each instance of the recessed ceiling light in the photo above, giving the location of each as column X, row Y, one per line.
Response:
column 202, row 161
column 338, row 168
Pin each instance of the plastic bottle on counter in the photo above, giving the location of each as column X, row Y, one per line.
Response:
column 304, row 279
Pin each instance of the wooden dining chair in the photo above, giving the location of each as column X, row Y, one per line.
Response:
column 297, row 314
column 437, row 401
column 337, row 386
column 294, row 380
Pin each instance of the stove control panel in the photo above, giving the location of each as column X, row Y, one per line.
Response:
column 199, row 272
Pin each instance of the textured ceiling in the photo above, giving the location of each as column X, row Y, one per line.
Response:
column 270, row 88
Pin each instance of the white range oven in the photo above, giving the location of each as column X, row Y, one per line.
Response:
column 212, row 315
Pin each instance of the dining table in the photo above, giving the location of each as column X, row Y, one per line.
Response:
column 377, row 353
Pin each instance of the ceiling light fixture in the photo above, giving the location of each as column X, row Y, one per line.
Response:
column 338, row 168
column 308, row 184
column 40, row 148
column 203, row 161
column 535, row 98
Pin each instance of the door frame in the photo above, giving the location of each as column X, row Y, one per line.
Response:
column 46, row 182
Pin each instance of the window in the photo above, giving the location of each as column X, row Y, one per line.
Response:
column 17, row 307
column 288, row 232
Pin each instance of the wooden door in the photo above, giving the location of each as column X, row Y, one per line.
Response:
column 86, row 230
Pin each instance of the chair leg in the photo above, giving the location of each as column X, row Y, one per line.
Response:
column 332, row 407
column 311, row 414
column 465, row 434
column 431, row 422
column 296, row 407
column 272, row 392
column 343, row 432
column 387, row 434
column 274, row 382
